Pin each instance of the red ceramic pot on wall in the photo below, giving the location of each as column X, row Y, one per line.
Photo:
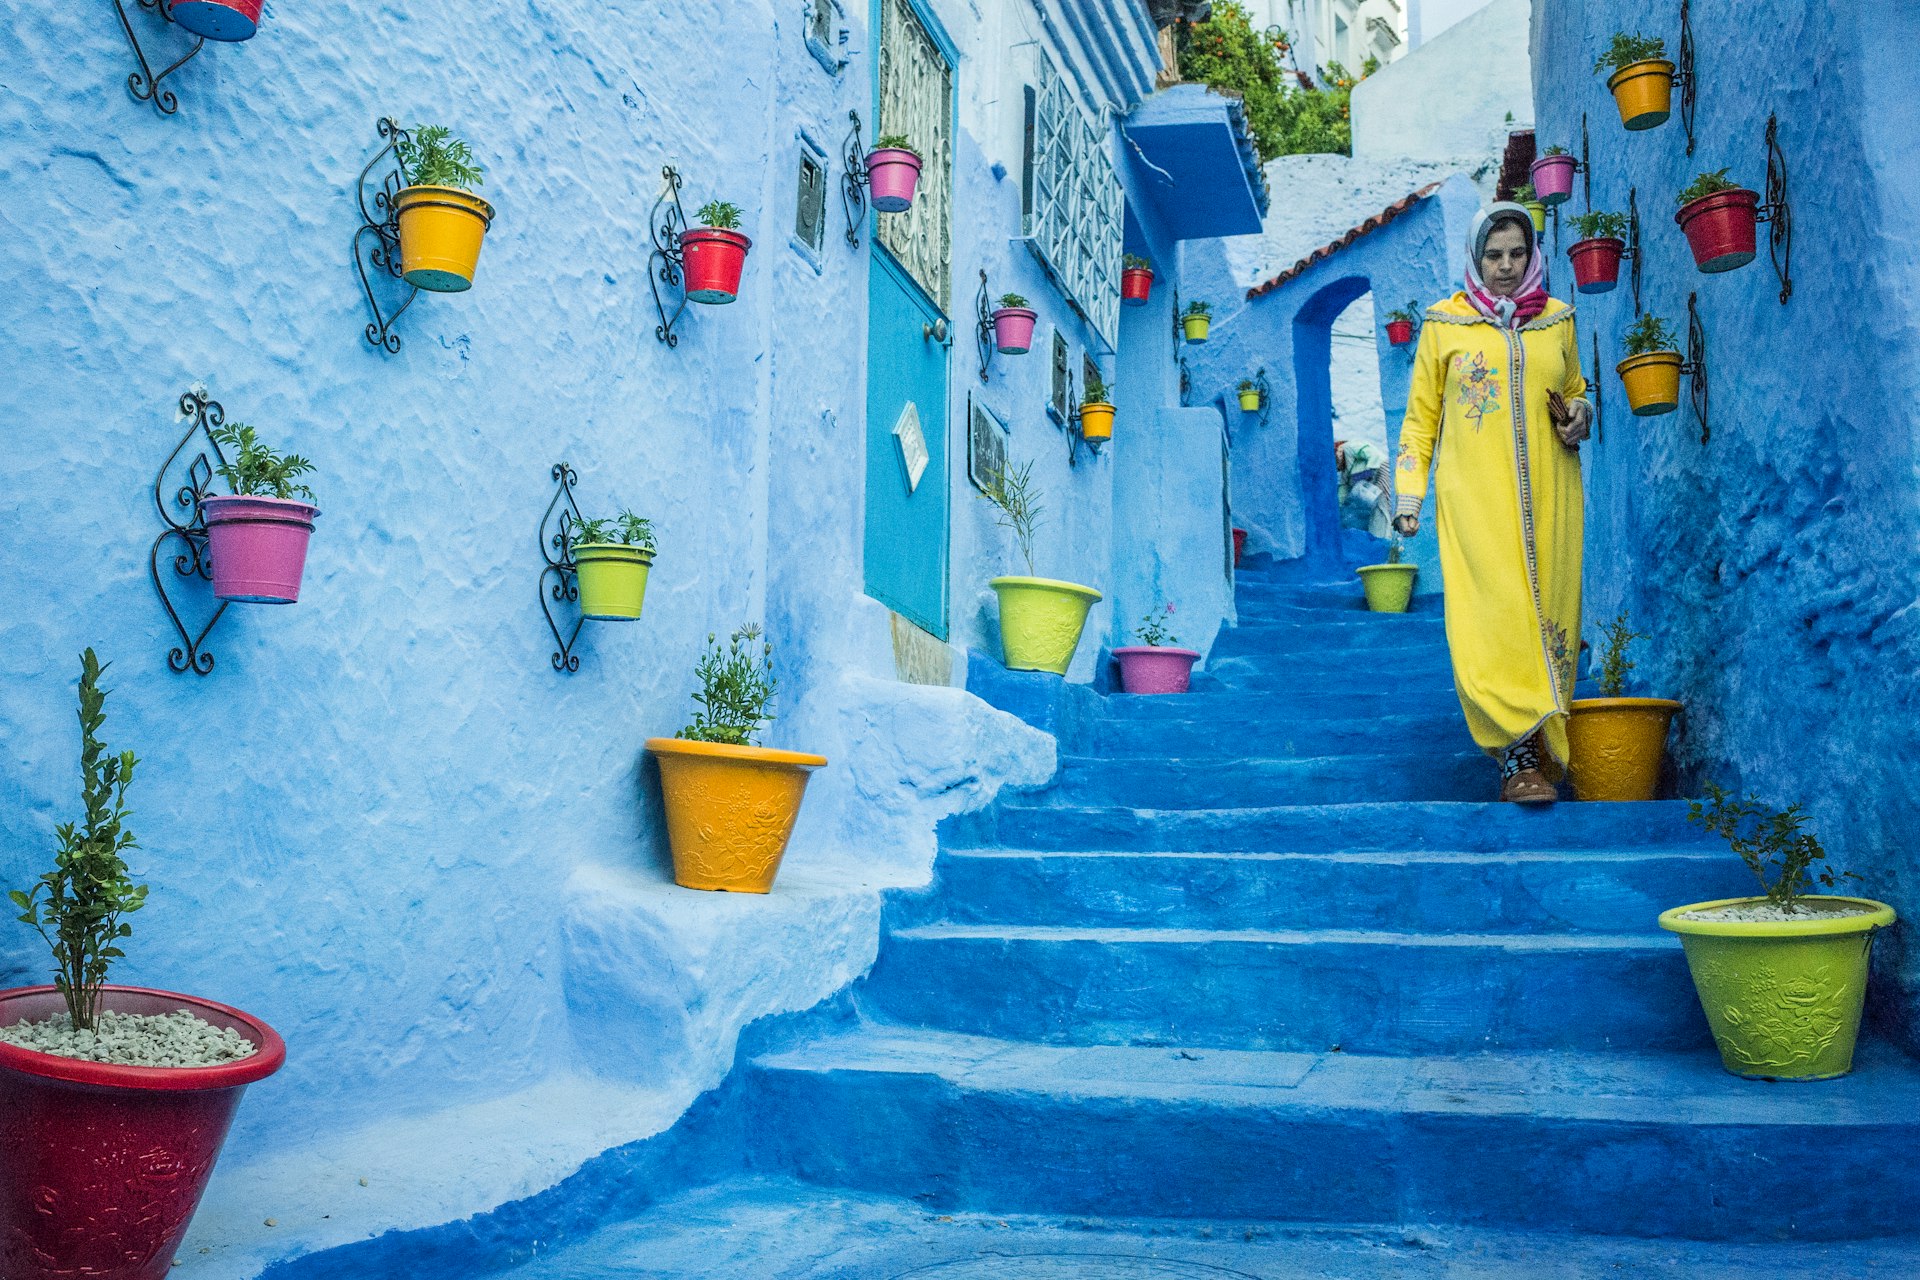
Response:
column 1720, row 229
column 1596, row 263
column 1399, row 332
column 714, row 260
column 1136, row 285
column 1239, row 545
column 228, row 20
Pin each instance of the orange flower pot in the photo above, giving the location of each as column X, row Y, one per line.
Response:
column 441, row 231
column 730, row 810
column 1096, row 421
column 1644, row 93
column 1652, row 382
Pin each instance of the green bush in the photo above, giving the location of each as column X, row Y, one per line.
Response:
column 1287, row 112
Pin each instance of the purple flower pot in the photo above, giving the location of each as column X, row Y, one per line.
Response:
column 892, row 175
column 1013, row 330
column 257, row 546
column 1155, row 668
column 1553, row 179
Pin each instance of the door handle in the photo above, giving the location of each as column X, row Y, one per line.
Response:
column 935, row 332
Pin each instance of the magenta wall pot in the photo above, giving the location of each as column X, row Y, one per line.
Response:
column 1136, row 286
column 228, row 20
column 1155, row 668
column 1013, row 330
column 1553, row 179
column 1596, row 264
column 1720, row 229
column 258, row 546
column 892, row 175
column 101, row 1167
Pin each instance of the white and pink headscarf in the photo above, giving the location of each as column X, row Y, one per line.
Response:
column 1530, row 299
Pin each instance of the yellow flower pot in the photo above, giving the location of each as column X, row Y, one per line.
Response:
column 1652, row 382
column 441, row 230
column 730, row 810
column 1644, row 93
column 1196, row 327
column 1040, row 621
column 1537, row 210
column 1249, row 402
column 1783, row 997
column 612, row 579
column 1615, row 746
column 1096, row 421
column 1389, row 587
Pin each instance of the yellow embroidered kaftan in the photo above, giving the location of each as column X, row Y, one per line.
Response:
column 1509, row 513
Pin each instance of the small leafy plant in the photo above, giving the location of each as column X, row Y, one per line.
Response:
column 1625, row 50
column 1098, row 392
column 77, row 906
column 1775, row 845
column 1649, row 334
column 1407, row 314
column 1153, row 630
column 1524, row 194
column 433, row 157
column 1248, row 384
column 895, row 142
column 1012, row 491
column 1614, row 664
column 256, row 471
column 1705, row 185
column 625, row 530
column 1555, row 151
column 1134, row 262
column 719, row 215
column 736, row 690
column 1599, row 224
column 1012, row 300
column 1394, row 546
column 1198, row 308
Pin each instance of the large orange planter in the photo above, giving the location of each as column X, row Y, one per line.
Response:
column 441, row 231
column 1644, row 93
column 730, row 810
column 1615, row 746
column 1652, row 382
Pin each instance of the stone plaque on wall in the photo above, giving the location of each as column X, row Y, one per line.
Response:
column 986, row 443
column 913, row 445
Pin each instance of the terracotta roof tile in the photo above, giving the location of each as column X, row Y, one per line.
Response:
column 1374, row 223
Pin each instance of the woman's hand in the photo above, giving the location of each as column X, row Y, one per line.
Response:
column 1571, row 422
column 1407, row 526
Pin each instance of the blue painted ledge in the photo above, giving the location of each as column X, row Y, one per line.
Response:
column 1209, row 181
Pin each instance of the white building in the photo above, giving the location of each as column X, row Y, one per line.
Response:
column 1344, row 31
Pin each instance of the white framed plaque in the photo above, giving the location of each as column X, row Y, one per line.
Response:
column 913, row 445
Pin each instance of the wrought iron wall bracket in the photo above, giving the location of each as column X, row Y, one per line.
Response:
column 1687, row 79
column 853, row 183
column 186, row 526
column 559, row 578
column 376, row 242
column 1076, row 433
column 1777, row 213
column 667, row 261
column 1694, row 369
column 1186, row 382
column 1594, row 389
column 1586, row 165
column 144, row 84
column 1632, row 253
column 983, row 336
column 1265, row 389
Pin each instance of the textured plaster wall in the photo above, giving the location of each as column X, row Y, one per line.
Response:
column 1773, row 564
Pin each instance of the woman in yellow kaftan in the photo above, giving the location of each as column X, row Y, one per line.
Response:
column 1498, row 402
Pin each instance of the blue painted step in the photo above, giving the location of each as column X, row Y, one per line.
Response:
column 1442, row 733
column 1279, row 639
column 1207, row 781
column 1428, row 670
column 1332, row 700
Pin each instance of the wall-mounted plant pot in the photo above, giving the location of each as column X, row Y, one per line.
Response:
column 257, row 546
column 1040, row 621
column 1615, row 746
column 612, row 579
column 228, row 20
column 1136, row 286
column 714, row 259
column 730, row 810
column 1553, row 178
column 1644, row 93
column 1596, row 263
column 1389, row 587
column 441, row 231
column 1399, row 332
column 1013, row 330
column 102, row 1166
column 1652, row 382
column 1239, row 546
column 1155, row 668
column 1538, row 212
column 1250, row 401
column 892, row 175
column 1196, row 327
column 1720, row 229
column 1096, row 421
column 1783, row 997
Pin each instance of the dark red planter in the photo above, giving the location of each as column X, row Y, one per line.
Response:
column 228, row 20
column 1239, row 546
column 1596, row 264
column 101, row 1167
column 714, row 261
column 1720, row 229
column 1136, row 285
column 1399, row 332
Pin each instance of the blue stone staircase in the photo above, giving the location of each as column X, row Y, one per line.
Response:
column 1269, row 951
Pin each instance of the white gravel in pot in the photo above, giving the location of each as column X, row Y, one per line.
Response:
column 1767, row 913
column 177, row 1039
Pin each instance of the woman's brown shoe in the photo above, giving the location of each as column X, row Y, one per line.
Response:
column 1529, row 786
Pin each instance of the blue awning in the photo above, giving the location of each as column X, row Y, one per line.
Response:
column 1203, row 174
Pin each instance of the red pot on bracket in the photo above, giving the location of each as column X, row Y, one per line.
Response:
column 1239, row 546
column 1136, row 286
column 1720, row 229
column 228, row 20
column 1399, row 332
column 1596, row 263
column 713, row 261
column 101, row 1166
column 1553, row 179
column 1013, row 330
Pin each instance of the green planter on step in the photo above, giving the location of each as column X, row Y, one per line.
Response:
column 1040, row 621
column 1389, row 586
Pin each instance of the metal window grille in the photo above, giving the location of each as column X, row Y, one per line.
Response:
column 1073, row 218
column 916, row 100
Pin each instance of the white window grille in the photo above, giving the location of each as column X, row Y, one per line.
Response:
column 916, row 99
column 1073, row 218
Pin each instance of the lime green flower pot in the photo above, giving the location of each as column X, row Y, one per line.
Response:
column 1040, row 622
column 1389, row 587
column 1783, row 997
column 613, row 579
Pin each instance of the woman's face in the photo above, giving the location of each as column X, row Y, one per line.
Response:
column 1504, row 263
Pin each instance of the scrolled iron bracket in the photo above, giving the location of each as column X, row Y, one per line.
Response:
column 1776, row 212
column 667, row 261
column 1265, row 389
column 1687, row 79
column 1694, row 369
column 983, row 337
column 1586, row 165
column 1594, row 389
column 853, row 183
column 144, row 84
column 185, row 524
column 1632, row 251
column 559, row 578
column 376, row 242
column 1076, row 434
column 1186, row 382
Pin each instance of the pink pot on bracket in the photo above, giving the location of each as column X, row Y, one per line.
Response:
column 1155, row 668
column 1553, row 179
column 1013, row 330
column 892, row 174
column 257, row 546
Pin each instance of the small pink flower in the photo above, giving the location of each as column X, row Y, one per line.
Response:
column 1169, row 608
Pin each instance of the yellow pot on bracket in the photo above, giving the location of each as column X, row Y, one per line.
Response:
column 441, row 231
column 1096, row 421
column 1644, row 93
column 730, row 810
column 1652, row 382
column 1196, row 327
column 1249, row 402
column 1040, row 621
column 1615, row 746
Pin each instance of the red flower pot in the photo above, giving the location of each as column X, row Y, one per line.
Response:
column 1136, row 284
column 1553, row 179
column 1596, row 263
column 1720, row 229
column 217, row 19
column 1399, row 332
column 1013, row 330
column 101, row 1167
column 1239, row 546
column 714, row 260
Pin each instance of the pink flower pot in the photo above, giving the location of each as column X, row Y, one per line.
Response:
column 1155, row 668
column 257, row 546
column 228, row 20
column 1720, row 229
column 1013, row 330
column 1596, row 264
column 1553, row 179
column 892, row 175
column 1136, row 286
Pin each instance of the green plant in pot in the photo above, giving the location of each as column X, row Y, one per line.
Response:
column 1782, row 975
column 1389, row 586
column 1640, row 78
column 442, row 223
column 257, row 535
column 1651, row 371
column 1524, row 196
column 1196, row 321
column 1400, row 323
column 1040, row 618
column 611, row 559
column 1249, row 393
column 1617, row 744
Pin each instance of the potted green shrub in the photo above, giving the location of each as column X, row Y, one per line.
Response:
column 1651, row 371
column 1196, row 320
column 116, row 1100
column 893, row 171
column 257, row 535
column 442, row 222
column 1552, row 175
column 1040, row 618
column 1136, row 280
column 1640, row 78
column 1617, row 744
column 730, row 803
column 1389, row 586
column 714, row 254
column 611, row 559
column 1249, row 392
column 1596, row 254
column 1781, row 976
column 1526, row 198
column 1013, row 323
column 1400, row 324
column 1096, row 411
column 1719, row 217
